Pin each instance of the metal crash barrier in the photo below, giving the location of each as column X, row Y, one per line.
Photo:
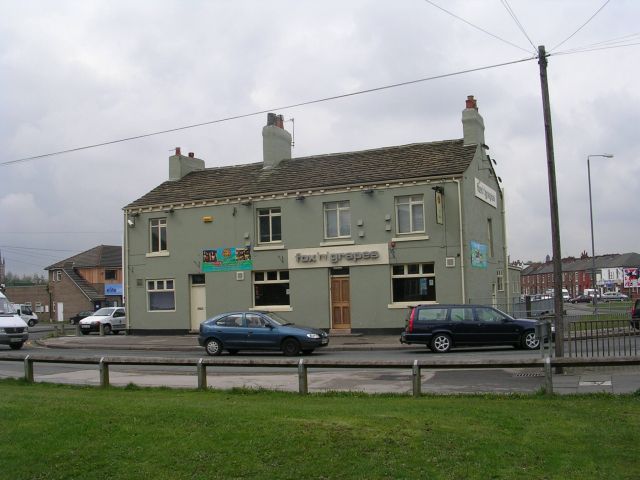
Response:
column 547, row 364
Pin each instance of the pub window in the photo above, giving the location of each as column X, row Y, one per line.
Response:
column 337, row 220
column 269, row 225
column 271, row 288
column 410, row 214
column 161, row 295
column 413, row 282
column 158, row 235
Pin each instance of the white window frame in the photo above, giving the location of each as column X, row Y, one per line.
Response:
column 490, row 236
column 161, row 285
column 161, row 226
column 265, row 281
column 500, row 280
column 421, row 274
column 413, row 201
column 270, row 213
column 337, row 207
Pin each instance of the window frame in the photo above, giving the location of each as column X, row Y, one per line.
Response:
column 279, row 280
column 425, row 270
column 160, row 289
column 500, row 279
column 161, row 227
column 339, row 207
column 400, row 200
column 271, row 214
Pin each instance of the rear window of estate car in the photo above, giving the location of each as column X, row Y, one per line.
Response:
column 432, row 314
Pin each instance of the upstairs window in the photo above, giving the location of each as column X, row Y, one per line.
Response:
column 410, row 214
column 110, row 274
column 158, row 235
column 337, row 219
column 269, row 225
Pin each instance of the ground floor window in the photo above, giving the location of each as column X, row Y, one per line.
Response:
column 271, row 288
column 161, row 294
column 413, row 282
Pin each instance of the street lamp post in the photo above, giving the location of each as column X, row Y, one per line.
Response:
column 593, row 248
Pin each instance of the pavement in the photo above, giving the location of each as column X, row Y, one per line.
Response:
column 616, row 380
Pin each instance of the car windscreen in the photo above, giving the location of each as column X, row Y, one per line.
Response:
column 277, row 320
column 103, row 312
column 6, row 308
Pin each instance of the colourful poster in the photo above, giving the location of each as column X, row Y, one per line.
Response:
column 478, row 255
column 631, row 277
column 226, row 259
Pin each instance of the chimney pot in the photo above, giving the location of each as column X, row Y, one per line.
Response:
column 178, row 151
column 471, row 102
column 191, row 154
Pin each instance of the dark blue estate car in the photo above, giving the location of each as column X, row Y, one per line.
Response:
column 235, row 331
column 441, row 327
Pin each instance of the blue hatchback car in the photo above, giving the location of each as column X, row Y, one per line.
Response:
column 235, row 331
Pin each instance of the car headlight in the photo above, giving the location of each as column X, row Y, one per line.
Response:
column 313, row 335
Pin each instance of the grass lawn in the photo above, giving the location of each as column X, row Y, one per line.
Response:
column 66, row 432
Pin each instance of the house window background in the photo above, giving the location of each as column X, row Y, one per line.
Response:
column 269, row 225
column 158, row 234
column 413, row 282
column 110, row 274
column 337, row 219
column 271, row 288
column 161, row 295
column 410, row 214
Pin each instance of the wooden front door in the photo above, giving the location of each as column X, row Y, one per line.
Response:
column 340, row 303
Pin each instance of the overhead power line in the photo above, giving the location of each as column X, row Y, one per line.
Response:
column 581, row 26
column 260, row 112
column 506, row 5
column 478, row 28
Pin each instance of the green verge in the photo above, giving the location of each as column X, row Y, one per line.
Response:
column 66, row 432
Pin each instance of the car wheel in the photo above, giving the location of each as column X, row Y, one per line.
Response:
column 530, row 341
column 290, row 347
column 308, row 351
column 31, row 323
column 16, row 346
column 106, row 329
column 233, row 351
column 441, row 343
column 213, row 347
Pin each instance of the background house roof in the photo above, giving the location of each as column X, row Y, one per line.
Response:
column 630, row 259
column 100, row 256
column 405, row 162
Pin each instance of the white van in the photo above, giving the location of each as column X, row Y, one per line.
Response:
column 13, row 330
column 26, row 313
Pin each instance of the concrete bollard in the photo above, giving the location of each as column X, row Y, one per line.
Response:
column 548, row 375
column 104, row 373
column 101, row 327
column 303, row 384
column 202, row 375
column 417, row 379
column 28, row 369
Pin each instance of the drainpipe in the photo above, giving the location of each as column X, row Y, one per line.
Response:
column 125, row 269
column 506, row 258
column 462, row 279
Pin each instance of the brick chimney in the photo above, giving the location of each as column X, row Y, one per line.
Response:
column 179, row 165
column 472, row 123
column 276, row 142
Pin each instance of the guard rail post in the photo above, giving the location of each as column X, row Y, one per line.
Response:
column 78, row 329
column 28, row 369
column 303, row 384
column 548, row 375
column 417, row 379
column 104, row 373
column 202, row 375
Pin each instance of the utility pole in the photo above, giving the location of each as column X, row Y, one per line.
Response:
column 553, row 200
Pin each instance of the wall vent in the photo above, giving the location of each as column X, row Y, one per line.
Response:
column 239, row 276
column 450, row 262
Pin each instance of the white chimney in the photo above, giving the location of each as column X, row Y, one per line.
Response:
column 276, row 141
column 179, row 165
column 472, row 123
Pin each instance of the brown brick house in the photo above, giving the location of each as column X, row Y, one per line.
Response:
column 87, row 281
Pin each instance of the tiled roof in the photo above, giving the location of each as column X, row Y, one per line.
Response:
column 405, row 162
column 631, row 259
column 100, row 256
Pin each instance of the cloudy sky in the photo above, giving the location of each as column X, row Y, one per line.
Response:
column 79, row 73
